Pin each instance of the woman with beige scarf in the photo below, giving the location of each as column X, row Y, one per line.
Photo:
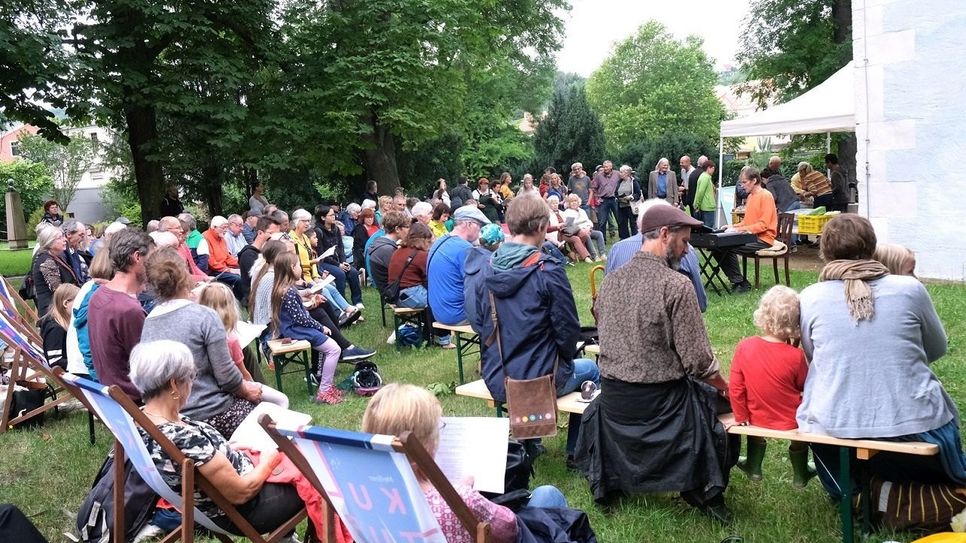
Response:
column 870, row 337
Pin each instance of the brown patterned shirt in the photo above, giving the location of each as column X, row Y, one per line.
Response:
column 651, row 329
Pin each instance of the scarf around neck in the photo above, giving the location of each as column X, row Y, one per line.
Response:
column 856, row 274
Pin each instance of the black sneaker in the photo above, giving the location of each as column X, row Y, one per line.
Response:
column 571, row 463
column 346, row 319
column 355, row 354
column 719, row 513
column 740, row 288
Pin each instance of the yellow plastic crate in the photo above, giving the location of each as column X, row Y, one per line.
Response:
column 812, row 224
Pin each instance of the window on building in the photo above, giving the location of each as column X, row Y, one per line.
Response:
column 14, row 148
column 94, row 140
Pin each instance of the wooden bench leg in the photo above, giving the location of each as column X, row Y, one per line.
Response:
column 845, row 504
column 279, row 363
column 459, row 354
column 307, row 359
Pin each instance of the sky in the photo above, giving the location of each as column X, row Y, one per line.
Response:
column 594, row 26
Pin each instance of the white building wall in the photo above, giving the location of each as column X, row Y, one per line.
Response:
column 910, row 84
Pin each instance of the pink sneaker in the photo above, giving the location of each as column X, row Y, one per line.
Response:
column 329, row 395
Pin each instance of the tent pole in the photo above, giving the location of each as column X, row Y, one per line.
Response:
column 828, row 149
column 718, row 212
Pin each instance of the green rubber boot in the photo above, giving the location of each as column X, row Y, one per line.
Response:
column 803, row 471
column 751, row 464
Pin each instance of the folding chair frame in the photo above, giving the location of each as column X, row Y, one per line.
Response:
column 414, row 451
column 190, row 479
column 19, row 305
column 23, row 360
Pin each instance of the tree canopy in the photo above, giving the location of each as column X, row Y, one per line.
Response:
column 570, row 132
column 793, row 45
column 652, row 84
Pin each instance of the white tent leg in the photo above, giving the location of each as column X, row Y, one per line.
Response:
column 719, row 213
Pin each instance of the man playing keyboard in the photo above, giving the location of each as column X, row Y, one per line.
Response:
column 761, row 219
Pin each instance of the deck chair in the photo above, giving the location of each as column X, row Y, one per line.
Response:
column 14, row 302
column 28, row 364
column 123, row 418
column 342, row 466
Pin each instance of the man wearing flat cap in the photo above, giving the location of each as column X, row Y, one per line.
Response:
column 655, row 428
column 445, row 265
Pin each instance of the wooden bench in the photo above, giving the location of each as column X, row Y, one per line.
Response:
column 569, row 403
column 416, row 317
column 864, row 450
column 295, row 352
column 466, row 340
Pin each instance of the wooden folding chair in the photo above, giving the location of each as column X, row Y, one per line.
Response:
column 123, row 418
column 369, row 481
column 16, row 303
column 785, row 223
column 27, row 358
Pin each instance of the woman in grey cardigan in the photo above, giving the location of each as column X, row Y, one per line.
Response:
column 870, row 337
column 219, row 395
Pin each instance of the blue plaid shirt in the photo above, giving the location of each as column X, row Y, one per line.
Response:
column 623, row 251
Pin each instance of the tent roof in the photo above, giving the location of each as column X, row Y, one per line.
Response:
column 828, row 107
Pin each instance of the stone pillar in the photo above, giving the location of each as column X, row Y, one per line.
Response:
column 16, row 228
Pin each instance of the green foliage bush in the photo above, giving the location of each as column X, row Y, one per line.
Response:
column 121, row 199
column 31, row 180
column 671, row 145
column 33, row 221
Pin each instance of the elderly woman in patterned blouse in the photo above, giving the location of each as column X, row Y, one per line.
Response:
column 163, row 371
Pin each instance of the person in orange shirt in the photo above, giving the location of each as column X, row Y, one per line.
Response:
column 215, row 259
column 761, row 219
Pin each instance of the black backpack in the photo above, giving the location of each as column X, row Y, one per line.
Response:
column 95, row 519
column 27, row 290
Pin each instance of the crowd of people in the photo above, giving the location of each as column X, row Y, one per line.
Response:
column 156, row 314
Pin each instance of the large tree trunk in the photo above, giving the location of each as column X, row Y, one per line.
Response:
column 381, row 157
column 142, row 132
column 842, row 16
column 213, row 180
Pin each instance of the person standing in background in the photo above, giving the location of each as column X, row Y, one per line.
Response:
column 171, row 203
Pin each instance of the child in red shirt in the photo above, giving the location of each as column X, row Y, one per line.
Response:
column 767, row 378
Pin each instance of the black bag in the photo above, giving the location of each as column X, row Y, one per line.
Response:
column 391, row 294
column 27, row 290
column 519, row 469
column 25, row 401
column 95, row 519
column 553, row 525
column 15, row 526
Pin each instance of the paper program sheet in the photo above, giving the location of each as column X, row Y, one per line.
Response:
column 474, row 446
column 251, row 435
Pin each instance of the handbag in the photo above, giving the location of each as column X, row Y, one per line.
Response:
column 391, row 293
column 635, row 207
column 531, row 403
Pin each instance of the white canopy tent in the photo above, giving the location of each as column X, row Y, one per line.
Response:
column 828, row 107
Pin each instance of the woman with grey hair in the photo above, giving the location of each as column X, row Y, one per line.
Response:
column 628, row 190
column 50, row 268
column 164, row 372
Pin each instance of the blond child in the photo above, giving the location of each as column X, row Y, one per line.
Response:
column 900, row 260
column 219, row 297
column 767, row 377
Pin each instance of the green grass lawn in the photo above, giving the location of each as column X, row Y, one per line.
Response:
column 48, row 471
column 14, row 262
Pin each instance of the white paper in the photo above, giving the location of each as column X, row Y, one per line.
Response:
column 247, row 332
column 474, row 446
column 320, row 284
column 327, row 253
column 250, row 434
